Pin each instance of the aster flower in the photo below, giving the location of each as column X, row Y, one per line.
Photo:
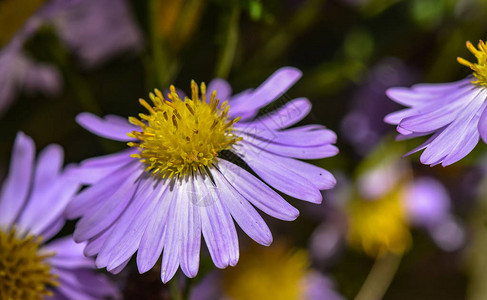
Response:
column 94, row 30
column 452, row 113
column 182, row 178
column 267, row 273
column 32, row 202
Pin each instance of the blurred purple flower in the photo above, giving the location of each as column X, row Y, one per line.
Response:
column 428, row 205
column 135, row 204
column 94, row 30
column 452, row 113
column 97, row 30
column 363, row 126
column 32, row 202
column 427, row 202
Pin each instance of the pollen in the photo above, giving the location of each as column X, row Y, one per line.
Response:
column 179, row 137
column 24, row 272
column 480, row 68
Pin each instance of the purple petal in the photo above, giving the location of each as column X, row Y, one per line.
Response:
column 53, row 228
column 242, row 211
column 281, row 178
column 276, row 85
column 257, row 193
column 437, row 118
column 152, row 241
column 84, row 202
column 285, row 116
column 482, row 127
column 106, row 210
column 189, row 229
column 69, row 255
column 217, row 225
column 106, row 128
column 84, row 284
column 47, row 204
column 95, row 244
column 129, row 228
column 462, row 129
column 16, row 187
column 170, row 257
column 312, row 152
column 222, row 88
column 95, row 169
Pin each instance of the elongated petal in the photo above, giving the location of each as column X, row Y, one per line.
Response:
column 190, row 230
column 107, row 128
column 170, row 256
column 217, row 225
column 106, row 211
column 222, row 88
column 16, row 187
column 285, row 116
column 152, row 241
column 257, row 193
column 244, row 214
column 266, row 166
column 276, row 85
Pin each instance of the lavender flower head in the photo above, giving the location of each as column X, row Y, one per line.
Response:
column 183, row 175
column 32, row 202
column 452, row 113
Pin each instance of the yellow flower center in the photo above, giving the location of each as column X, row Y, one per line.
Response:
column 179, row 137
column 379, row 226
column 24, row 273
column 267, row 273
column 480, row 68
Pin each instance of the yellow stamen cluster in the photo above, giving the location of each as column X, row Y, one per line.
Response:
column 179, row 137
column 379, row 226
column 273, row 272
column 24, row 273
column 480, row 68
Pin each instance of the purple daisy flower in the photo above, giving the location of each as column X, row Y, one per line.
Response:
column 182, row 177
column 452, row 113
column 32, row 202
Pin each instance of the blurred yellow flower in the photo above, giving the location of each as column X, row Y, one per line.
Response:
column 380, row 225
column 267, row 273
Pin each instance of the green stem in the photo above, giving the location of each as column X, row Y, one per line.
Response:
column 379, row 278
column 174, row 290
column 230, row 46
column 162, row 63
column 476, row 258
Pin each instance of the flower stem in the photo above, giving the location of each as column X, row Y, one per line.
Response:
column 230, row 46
column 380, row 277
column 174, row 290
